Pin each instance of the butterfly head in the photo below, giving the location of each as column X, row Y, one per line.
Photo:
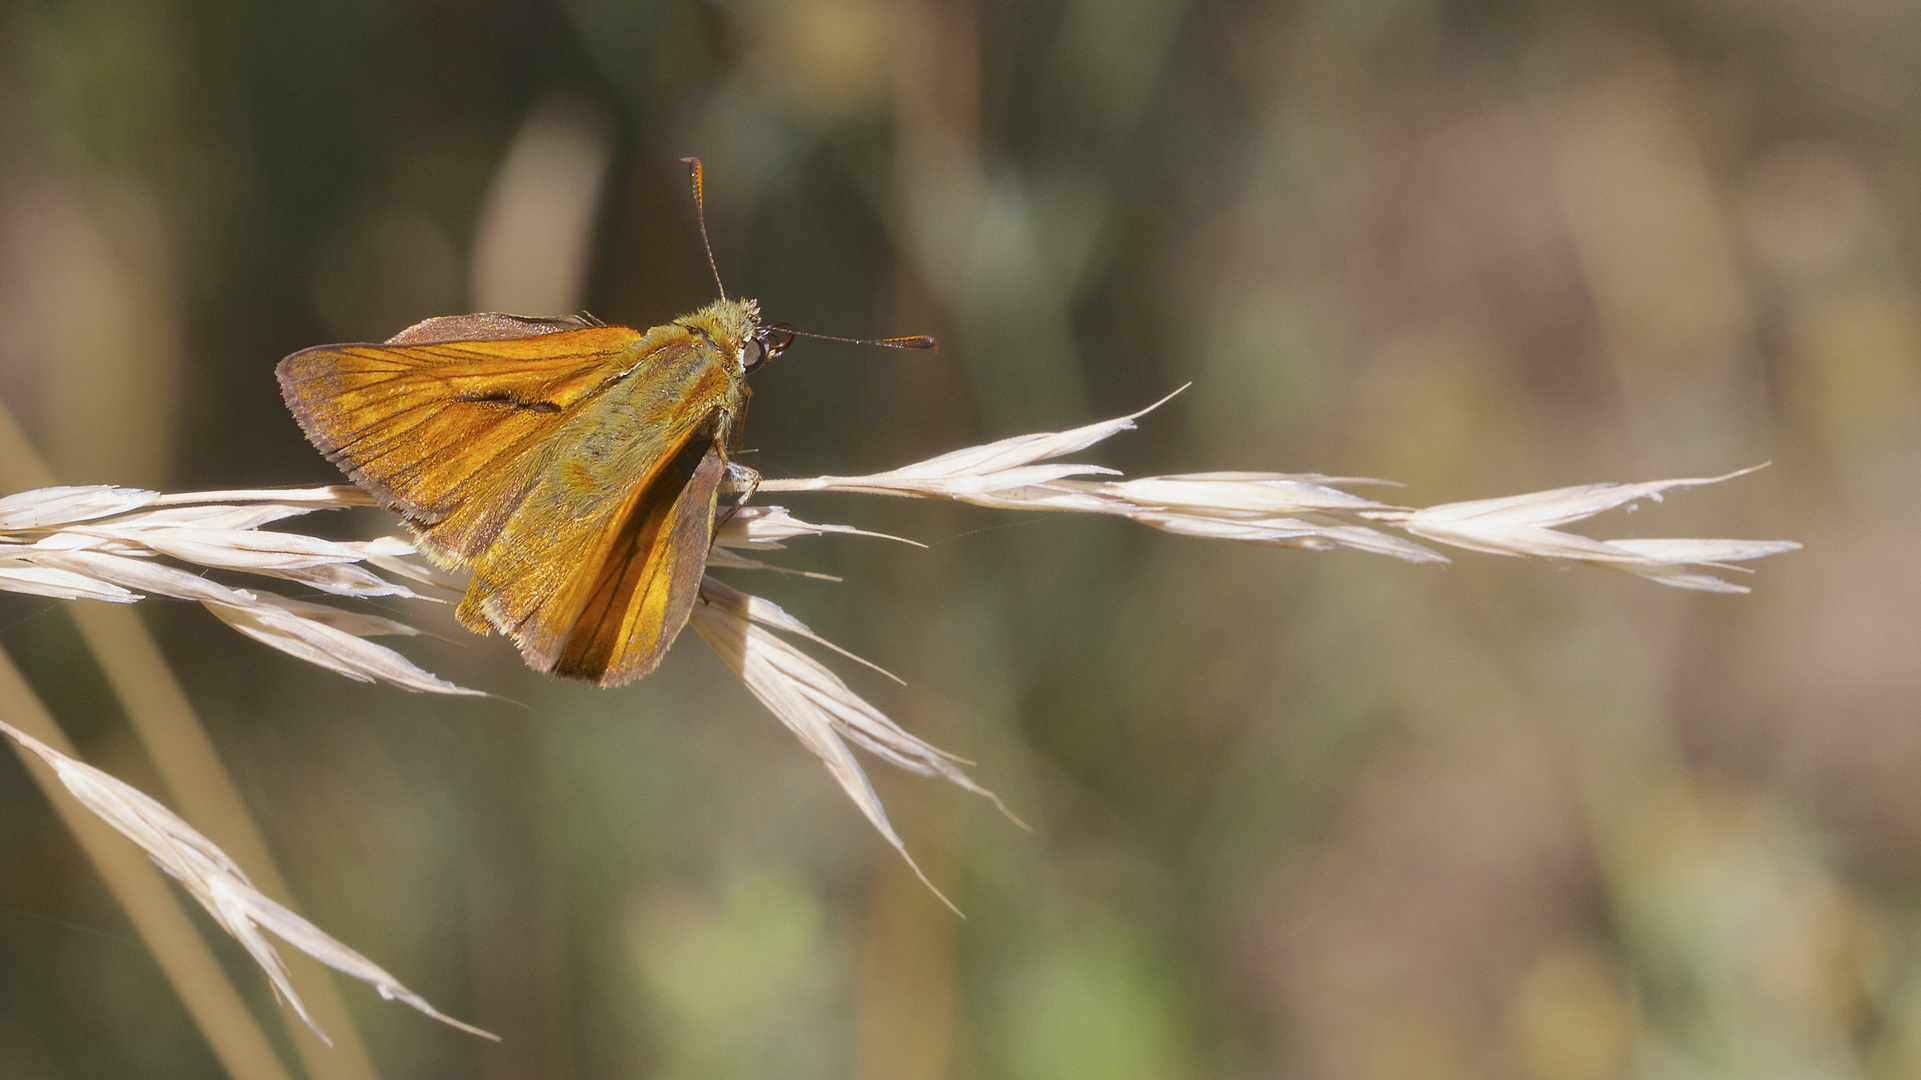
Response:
column 734, row 326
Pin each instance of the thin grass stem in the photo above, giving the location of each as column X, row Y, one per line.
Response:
column 190, row 967
column 175, row 739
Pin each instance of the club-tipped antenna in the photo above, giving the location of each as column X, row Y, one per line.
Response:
column 700, row 214
column 917, row 341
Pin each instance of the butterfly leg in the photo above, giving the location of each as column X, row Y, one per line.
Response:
column 738, row 478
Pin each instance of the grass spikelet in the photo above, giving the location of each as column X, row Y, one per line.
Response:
column 817, row 706
column 212, row 879
column 107, row 543
column 110, row 543
column 1303, row 510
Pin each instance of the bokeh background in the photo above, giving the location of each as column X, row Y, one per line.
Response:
column 1296, row 814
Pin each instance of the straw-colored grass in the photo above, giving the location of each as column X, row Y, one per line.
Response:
column 211, row 878
column 120, row 544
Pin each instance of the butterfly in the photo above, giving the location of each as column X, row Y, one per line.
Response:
column 575, row 466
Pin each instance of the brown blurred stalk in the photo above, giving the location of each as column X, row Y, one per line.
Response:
column 908, row 994
column 907, row 982
column 141, row 890
column 199, row 788
column 532, row 252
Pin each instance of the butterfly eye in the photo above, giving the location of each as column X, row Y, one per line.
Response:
column 761, row 348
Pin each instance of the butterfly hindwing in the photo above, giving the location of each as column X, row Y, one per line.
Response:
column 643, row 591
column 601, row 598
column 611, row 537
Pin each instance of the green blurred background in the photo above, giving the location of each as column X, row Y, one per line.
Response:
column 1297, row 814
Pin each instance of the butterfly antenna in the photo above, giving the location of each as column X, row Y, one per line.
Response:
column 918, row 341
column 700, row 212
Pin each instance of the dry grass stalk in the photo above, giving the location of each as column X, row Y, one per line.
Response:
column 233, row 1033
column 1303, row 510
column 1523, row 525
column 762, row 528
column 816, row 705
column 102, row 543
column 220, row 887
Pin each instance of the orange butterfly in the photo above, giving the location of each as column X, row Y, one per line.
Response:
column 575, row 466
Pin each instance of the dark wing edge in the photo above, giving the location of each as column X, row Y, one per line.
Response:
column 488, row 326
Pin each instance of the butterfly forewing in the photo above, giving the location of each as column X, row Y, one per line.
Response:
column 450, row 434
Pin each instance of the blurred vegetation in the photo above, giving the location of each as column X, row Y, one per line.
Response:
column 1297, row 814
